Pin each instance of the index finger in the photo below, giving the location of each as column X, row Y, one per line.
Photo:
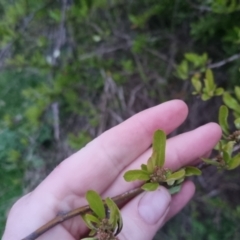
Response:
column 100, row 162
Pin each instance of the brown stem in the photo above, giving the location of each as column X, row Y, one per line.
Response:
column 119, row 200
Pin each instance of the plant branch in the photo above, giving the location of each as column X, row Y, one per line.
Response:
column 162, row 57
column 119, row 200
column 204, row 165
column 225, row 61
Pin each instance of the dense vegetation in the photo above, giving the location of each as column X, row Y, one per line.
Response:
column 70, row 69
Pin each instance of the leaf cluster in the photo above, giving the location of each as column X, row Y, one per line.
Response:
column 191, row 62
column 225, row 158
column 234, row 104
column 208, row 89
column 105, row 221
column 154, row 174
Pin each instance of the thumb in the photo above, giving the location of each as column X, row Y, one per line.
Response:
column 144, row 215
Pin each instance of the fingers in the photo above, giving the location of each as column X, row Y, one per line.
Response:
column 27, row 215
column 144, row 215
column 94, row 167
column 182, row 150
column 100, row 162
column 180, row 200
column 191, row 146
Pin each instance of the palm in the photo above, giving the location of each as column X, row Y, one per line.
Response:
column 100, row 167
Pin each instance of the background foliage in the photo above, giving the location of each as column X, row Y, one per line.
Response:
column 70, row 69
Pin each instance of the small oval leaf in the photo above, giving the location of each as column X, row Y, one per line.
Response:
column 180, row 180
column 226, row 157
column 96, row 204
column 159, row 145
column 150, row 186
column 211, row 162
column 209, row 81
column 150, row 163
column 205, row 97
column 237, row 123
column 170, row 182
column 231, row 102
column 192, row 171
column 234, row 162
column 92, row 233
column 175, row 189
column 237, row 92
column 222, row 118
column 115, row 216
column 196, row 84
column 144, row 167
column 176, row 175
column 228, row 147
column 134, row 175
column 219, row 91
column 90, row 220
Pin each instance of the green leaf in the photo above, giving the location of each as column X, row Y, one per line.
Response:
column 182, row 70
column 219, row 91
column 237, row 92
column 176, row 175
column 180, row 180
column 150, row 163
column 209, row 81
column 219, row 146
column 113, row 211
column 191, row 57
column 196, row 84
column 205, row 97
column 222, row 118
column 237, row 123
column 134, row 175
column 228, row 147
column 234, row 162
column 92, row 233
column 231, row 102
column 194, row 58
column 192, row 171
column 90, row 220
column 144, row 167
column 175, row 189
column 96, row 204
column 159, row 145
column 226, row 156
column 150, row 186
column 115, row 216
column 170, row 182
column 211, row 162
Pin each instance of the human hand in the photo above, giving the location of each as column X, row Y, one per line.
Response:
column 100, row 166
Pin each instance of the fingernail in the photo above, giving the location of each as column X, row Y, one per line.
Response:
column 153, row 205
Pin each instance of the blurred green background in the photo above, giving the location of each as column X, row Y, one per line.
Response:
column 70, row 69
